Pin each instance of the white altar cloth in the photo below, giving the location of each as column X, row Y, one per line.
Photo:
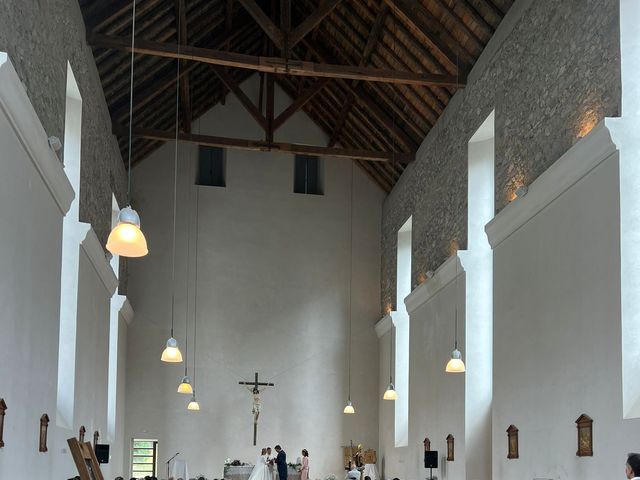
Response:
column 179, row 470
column 371, row 471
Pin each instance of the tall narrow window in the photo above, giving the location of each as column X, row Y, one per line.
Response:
column 144, row 458
column 307, row 175
column 211, row 167
column 114, row 332
column 477, row 261
column 73, row 233
column 401, row 322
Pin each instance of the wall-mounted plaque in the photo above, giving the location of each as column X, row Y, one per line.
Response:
column 44, row 425
column 3, row 409
column 512, row 436
column 450, row 448
column 585, row 436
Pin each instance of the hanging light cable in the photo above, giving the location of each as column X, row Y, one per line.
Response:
column 171, row 353
column 390, row 393
column 185, row 384
column 193, row 404
column 456, row 364
column 349, row 409
column 126, row 239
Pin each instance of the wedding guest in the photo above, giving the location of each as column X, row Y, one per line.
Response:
column 633, row 466
column 304, row 470
column 354, row 473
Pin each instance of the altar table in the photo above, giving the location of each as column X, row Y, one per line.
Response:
column 243, row 473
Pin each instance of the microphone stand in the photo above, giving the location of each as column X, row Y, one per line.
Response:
column 169, row 461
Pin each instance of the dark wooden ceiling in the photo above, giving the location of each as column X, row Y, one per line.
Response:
column 443, row 37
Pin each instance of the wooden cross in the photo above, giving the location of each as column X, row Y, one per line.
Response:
column 256, row 402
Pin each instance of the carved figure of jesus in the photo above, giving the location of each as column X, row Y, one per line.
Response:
column 257, row 406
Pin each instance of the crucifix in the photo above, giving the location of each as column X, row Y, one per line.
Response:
column 255, row 411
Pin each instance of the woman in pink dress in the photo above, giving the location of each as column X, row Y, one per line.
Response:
column 304, row 470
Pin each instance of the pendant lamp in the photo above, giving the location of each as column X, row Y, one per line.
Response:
column 349, row 409
column 390, row 393
column 193, row 404
column 126, row 239
column 456, row 365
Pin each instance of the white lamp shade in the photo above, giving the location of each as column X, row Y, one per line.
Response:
column 185, row 386
column 455, row 365
column 171, row 353
column 348, row 409
column 193, row 404
column 390, row 393
column 126, row 239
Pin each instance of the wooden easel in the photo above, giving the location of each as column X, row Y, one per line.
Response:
column 85, row 460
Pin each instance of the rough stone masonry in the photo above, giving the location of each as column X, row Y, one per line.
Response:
column 555, row 72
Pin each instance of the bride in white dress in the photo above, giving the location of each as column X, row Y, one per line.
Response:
column 261, row 470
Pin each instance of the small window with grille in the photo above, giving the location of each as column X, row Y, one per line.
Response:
column 144, row 457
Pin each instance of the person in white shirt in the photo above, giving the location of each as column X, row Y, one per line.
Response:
column 633, row 466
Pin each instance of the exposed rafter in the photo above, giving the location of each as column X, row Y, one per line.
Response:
column 300, row 102
column 246, row 102
column 262, row 19
column 312, row 21
column 264, row 146
column 273, row 64
column 374, row 75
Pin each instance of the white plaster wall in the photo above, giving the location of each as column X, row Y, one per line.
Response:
column 272, row 297
column 436, row 399
column 30, row 245
column 31, row 221
column 557, row 336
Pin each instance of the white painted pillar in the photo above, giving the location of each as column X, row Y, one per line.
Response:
column 625, row 132
column 477, row 262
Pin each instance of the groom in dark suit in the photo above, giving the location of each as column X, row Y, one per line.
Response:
column 281, row 460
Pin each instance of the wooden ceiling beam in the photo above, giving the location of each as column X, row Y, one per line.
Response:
column 273, row 64
column 263, row 146
column 300, row 101
column 312, row 21
column 246, row 102
column 320, row 116
column 115, row 76
column 262, row 19
column 375, row 110
column 412, row 96
column 165, row 82
column 376, row 30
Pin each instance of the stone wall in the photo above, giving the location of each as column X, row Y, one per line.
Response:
column 551, row 72
column 40, row 36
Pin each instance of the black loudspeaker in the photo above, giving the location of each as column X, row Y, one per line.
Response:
column 431, row 459
column 102, row 452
